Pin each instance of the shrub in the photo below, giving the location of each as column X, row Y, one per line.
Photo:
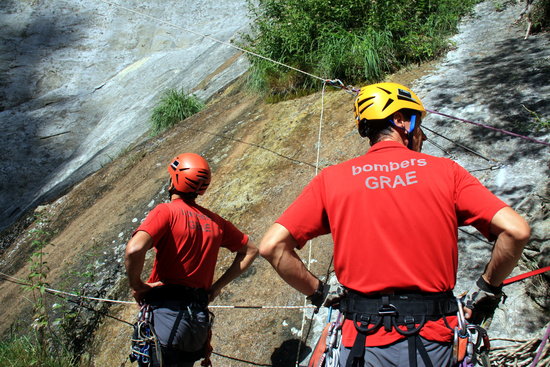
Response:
column 540, row 15
column 174, row 106
column 351, row 40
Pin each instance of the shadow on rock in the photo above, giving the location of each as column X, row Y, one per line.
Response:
column 285, row 355
column 28, row 144
column 510, row 83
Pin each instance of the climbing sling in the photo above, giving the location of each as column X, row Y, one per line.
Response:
column 144, row 341
column 412, row 310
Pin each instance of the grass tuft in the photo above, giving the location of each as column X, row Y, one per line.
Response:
column 26, row 351
column 174, row 106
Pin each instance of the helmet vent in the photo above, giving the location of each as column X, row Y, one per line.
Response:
column 363, row 109
column 404, row 93
column 388, row 103
column 410, row 99
column 385, row 90
column 359, row 103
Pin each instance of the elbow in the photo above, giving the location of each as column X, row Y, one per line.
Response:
column 267, row 249
column 520, row 232
column 512, row 226
column 276, row 242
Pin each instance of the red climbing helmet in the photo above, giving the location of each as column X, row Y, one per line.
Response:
column 190, row 173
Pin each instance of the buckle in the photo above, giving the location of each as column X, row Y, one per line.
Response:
column 387, row 310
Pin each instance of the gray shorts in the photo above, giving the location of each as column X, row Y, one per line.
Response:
column 397, row 354
column 182, row 328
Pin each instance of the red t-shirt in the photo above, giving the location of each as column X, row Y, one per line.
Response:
column 187, row 238
column 393, row 214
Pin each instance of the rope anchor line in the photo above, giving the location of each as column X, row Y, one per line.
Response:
column 336, row 83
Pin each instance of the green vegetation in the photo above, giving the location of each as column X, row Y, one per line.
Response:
column 540, row 15
column 538, row 122
column 350, row 40
column 42, row 346
column 174, row 106
column 27, row 351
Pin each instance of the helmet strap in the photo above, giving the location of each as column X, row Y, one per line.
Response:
column 408, row 133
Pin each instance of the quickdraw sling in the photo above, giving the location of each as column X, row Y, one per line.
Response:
column 412, row 310
column 144, row 340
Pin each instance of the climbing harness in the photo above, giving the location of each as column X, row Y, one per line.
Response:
column 144, row 341
column 471, row 344
column 412, row 310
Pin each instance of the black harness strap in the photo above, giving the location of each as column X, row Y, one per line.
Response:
column 175, row 328
column 422, row 351
column 391, row 311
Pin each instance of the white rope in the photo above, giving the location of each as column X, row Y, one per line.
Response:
column 311, row 242
column 212, row 38
column 56, row 291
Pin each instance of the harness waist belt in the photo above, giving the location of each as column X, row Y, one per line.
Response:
column 370, row 313
column 432, row 306
column 176, row 293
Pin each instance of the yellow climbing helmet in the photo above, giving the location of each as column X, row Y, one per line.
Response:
column 381, row 100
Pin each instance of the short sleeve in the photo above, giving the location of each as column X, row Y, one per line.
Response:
column 475, row 204
column 233, row 238
column 306, row 217
column 157, row 223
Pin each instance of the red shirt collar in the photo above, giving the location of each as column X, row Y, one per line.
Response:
column 385, row 145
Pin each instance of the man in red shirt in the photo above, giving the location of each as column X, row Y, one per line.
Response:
column 393, row 214
column 186, row 238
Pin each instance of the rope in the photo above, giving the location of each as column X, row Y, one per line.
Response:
column 311, row 242
column 336, row 83
column 241, row 360
column 491, row 128
column 213, row 39
column 253, row 145
column 58, row 292
column 517, row 278
column 523, row 353
column 541, row 346
column 262, row 307
column 456, row 143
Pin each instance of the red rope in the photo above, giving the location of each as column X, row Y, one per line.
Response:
column 517, row 278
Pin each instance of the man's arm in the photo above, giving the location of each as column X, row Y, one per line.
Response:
column 244, row 257
column 136, row 249
column 512, row 233
column 277, row 247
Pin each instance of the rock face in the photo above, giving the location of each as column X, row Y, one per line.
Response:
column 79, row 80
column 262, row 155
column 495, row 77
